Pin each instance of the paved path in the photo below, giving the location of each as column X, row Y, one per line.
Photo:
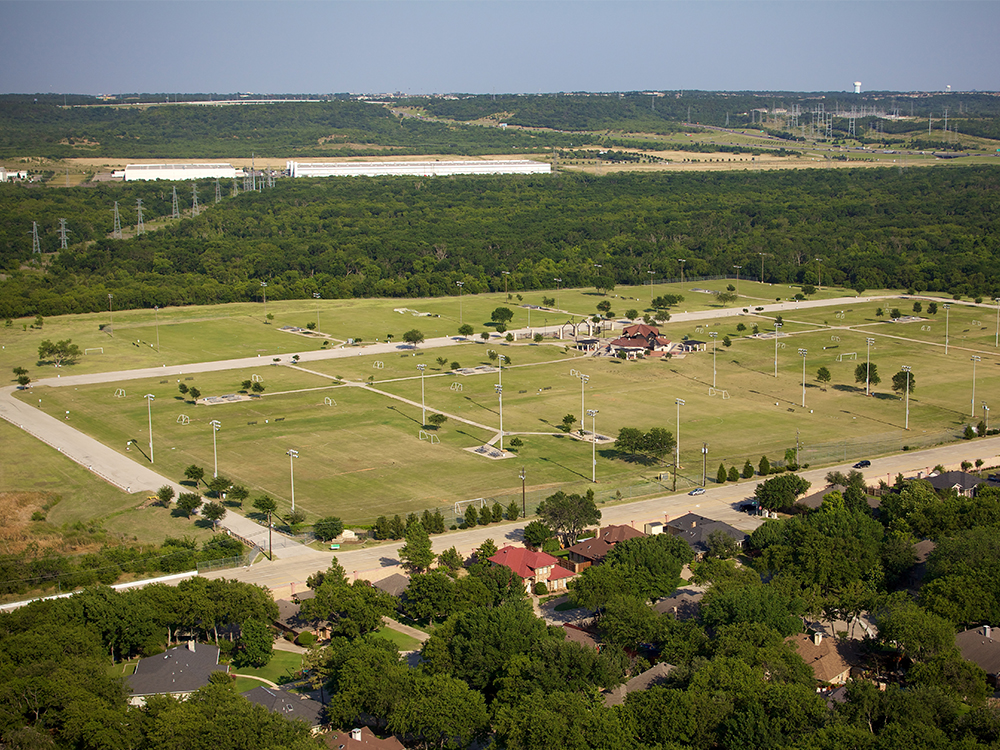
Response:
column 399, row 627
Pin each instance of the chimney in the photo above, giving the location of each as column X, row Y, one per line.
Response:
column 817, row 639
column 987, row 630
column 693, row 524
column 191, row 645
column 356, row 735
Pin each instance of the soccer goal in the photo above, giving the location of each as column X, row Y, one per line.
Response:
column 925, row 328
column 574, row 373
column 329, row 401
column 718, row 392
column 378, row 364
column 456, row 386
column 840, row 315
column 255, row 378
column 94, row 350
column 847, row 355
column 835, row 338
column 430, row 437
column 977, row 322
column 183, row 419
column 120, row 393
column 459, row 504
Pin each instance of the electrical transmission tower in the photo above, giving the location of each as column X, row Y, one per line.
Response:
column 36, row 246
column 63, row 231
column 194, row 200
column 852, row 123
column 236, row 188
column 117, row 232
column 140, row 226
column 175, row 213
column 218, row 191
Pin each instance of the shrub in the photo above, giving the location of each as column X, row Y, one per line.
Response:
column 541, row 589
column 305, row 639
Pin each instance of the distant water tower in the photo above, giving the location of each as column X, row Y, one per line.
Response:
column 857, row 87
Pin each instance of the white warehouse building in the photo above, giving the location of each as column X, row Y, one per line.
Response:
column 178, row 171
column 417, row 168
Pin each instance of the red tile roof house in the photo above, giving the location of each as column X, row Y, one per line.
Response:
column 593, row 551
column 534, row 567
column 639, row 340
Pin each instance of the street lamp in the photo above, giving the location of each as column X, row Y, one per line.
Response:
column 947, row 314
column 499, row 390
column 986, row 416
column 803, row 353
column 737, row 279
column 505, row 275
column 292, row 455
column 975, row 358
column 316, row 296
column 263, row 289
column 423, row 409
column 704, row 464
column 682, row 261
column 715, row 336
column 652, row 273
column 524, row 508
column 677, row 441
column 460, row 284
column 584, row 379
column 149, row 413
column 111, row 312
column 215, row 425
column 997, row 341
column 558, row 282
column 156, row 317
column 592, row 413
column 868, row 367
column 906, row 369
column 777, row 327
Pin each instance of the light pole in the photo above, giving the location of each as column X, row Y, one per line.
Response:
column 524, row 507
column 215, row 425
column 868, row 367
column 777, row 327
column 460, row 284
column 947, row 315
column 156, row 317
column 906, row 369
column 819, row 274
column 149, row 413
column 715, row 336
column 111, row 312
column 737, row 279
column 316, row 296
column 975, row 358
column 704, row 464
column 423, row 409
column 986, row 416
column 292, row 455
column 682, row 261
column 803, row 353
column 263, row 290
column 677, row 441
column 499, row 390
column 598, row 266
column 506, row 274
column 997, row 341
column 761, row 267
column 584, row 379
column 558, row 282
column 592, row 413
column 653, row 273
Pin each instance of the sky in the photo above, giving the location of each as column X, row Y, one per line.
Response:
column 496, row 46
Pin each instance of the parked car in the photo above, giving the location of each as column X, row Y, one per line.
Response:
column 697, row 491
column 863, row 464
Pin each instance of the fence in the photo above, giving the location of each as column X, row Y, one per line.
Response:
column 229, row 562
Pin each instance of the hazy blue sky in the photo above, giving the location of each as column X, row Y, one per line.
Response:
column 419, row 46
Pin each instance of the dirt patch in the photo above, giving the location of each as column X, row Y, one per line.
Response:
column 17, row 530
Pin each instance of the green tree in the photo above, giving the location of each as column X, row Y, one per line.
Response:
column 865, row 371
column 764, row 467
column 214, row 512
column 165, row 495
column 903, row 380
column 536, row 534
column 733, row 475
column 430, row 596
column 416, row 554
column 917, row 307
column 658, row 443
column 256, row 387
column 437, row 420
column 59, row 353
column 246, row 385
column 238, row 493
column 917, row 633
column 471, row 517
column 780, row 492
column 195, row 394
column 568, row 515
column 188, row 503
column 451, row 560
column 439, row 711
column 328, row 527
column 726, row 341
column 502, row 315
column 466, row 330
column 932, row 308
column 413, row 337
column 630, row 440
column 218, row 486
column 23, row 380
column 725, row 298
column 182, row 388
column 823, row 375
column 266, row 505
column 567, row 422
column 513, row 511
column 255, row 646
column 747, row 470
column 631, row 313
column 721, row 476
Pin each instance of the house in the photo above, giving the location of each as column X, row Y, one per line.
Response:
column 982, row 647
column 639, row 340
column 650, row 678
column 361, row 739
column 962, row 482
column 533, row 567
column 178, row 672
column 290, row 705
column 695, row 530
column 830, row 660
column 576, row 634
column 683, row 604
column 393, row 585
column 593, row 551
column 815, row 500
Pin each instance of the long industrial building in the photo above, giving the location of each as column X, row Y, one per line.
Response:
column 417, row 168
column 178, row 171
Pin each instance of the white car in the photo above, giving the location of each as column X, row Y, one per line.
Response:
column 697, row 491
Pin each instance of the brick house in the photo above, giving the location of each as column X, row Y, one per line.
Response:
column 534, row 567
column 593, row 551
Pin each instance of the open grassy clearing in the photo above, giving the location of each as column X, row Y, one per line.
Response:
column 283, row 665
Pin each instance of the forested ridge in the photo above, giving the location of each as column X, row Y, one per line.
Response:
column 926, row 229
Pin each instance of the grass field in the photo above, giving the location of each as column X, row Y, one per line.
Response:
column 362, row 457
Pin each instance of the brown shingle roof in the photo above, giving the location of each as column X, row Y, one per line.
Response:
column 650, row 678
column 981, row 649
